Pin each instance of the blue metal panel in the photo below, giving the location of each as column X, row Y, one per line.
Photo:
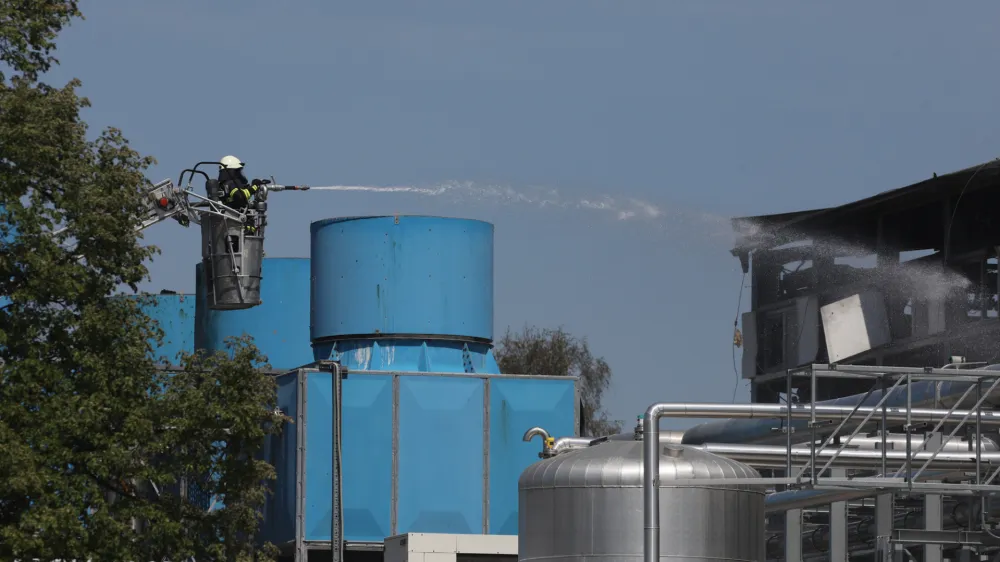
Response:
column 366, row 461
column 440, row 455
column 402, row 275
column 201, row 306
column 279, row 326
column 175, row 315
column 367, row 457
column 516, row 405
column 439, row 459
column 415, row 356
column 319, row 455
column 278, row 526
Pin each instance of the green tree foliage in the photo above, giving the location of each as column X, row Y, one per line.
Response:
column 95, row 440
column 556, row 353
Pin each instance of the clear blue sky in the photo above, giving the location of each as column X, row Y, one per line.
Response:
column 706, row 109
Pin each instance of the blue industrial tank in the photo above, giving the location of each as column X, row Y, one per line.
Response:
column 429, row 430
column 420, row 453
column 407, row 293
column 279, row 325
column 175, row 315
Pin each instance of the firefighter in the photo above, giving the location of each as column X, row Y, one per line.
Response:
column 236, row 190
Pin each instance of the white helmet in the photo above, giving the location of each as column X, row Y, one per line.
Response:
column 231, row 163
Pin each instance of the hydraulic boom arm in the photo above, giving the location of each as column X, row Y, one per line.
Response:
column 232, row 240
column 169, row 201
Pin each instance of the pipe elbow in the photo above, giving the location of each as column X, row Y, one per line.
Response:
column 536, row 431
column 567, row 443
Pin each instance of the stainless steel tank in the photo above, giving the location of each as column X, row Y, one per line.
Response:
column 587, row 503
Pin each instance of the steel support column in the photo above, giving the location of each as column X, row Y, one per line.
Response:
column 883, row 527
column 967, row 553
column 838, row 525
column 933, row 521
column 793, row 535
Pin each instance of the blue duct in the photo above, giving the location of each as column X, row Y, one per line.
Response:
column 925, row 394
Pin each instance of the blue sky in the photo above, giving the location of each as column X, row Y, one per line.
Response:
column 705, row 109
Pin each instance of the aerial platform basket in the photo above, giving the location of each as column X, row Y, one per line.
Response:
column 232, row 240
column 232, row 258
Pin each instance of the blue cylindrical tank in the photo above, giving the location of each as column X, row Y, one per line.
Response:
column 175, row 315
column 411, row 293
column 279, row 325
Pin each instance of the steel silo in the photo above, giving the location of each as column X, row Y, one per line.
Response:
column 588, row 504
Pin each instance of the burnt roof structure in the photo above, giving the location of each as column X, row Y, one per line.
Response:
column 918, row 312
column 855, row 222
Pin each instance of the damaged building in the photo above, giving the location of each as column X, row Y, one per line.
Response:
column 907, row 277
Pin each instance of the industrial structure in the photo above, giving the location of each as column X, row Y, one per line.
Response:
column 408, row 442
column 875, row 453
column 907, row 278
column 381, row 345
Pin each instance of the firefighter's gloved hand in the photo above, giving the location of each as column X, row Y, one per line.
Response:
column 257, row 183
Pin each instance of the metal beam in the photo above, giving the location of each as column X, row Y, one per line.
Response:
column 957, row 537
column 899, row 483
column 830, row 370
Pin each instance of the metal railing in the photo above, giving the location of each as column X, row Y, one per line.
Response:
column 956, row 474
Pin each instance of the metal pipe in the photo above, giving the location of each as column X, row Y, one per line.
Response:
column 899, row 440
column 926, row 394
column 569, row 443
column 859, row 458
column 788, row 422
column 552, row 447
column 801, row 499
column 651, row 481
column 536, row 431
column 955, row 444
column 803, row 412
column 563, row 444
column 807, row 498
column 651, row 444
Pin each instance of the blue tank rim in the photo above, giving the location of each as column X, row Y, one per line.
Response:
column 401, row 336
column 158, row 294
column 324, row 222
